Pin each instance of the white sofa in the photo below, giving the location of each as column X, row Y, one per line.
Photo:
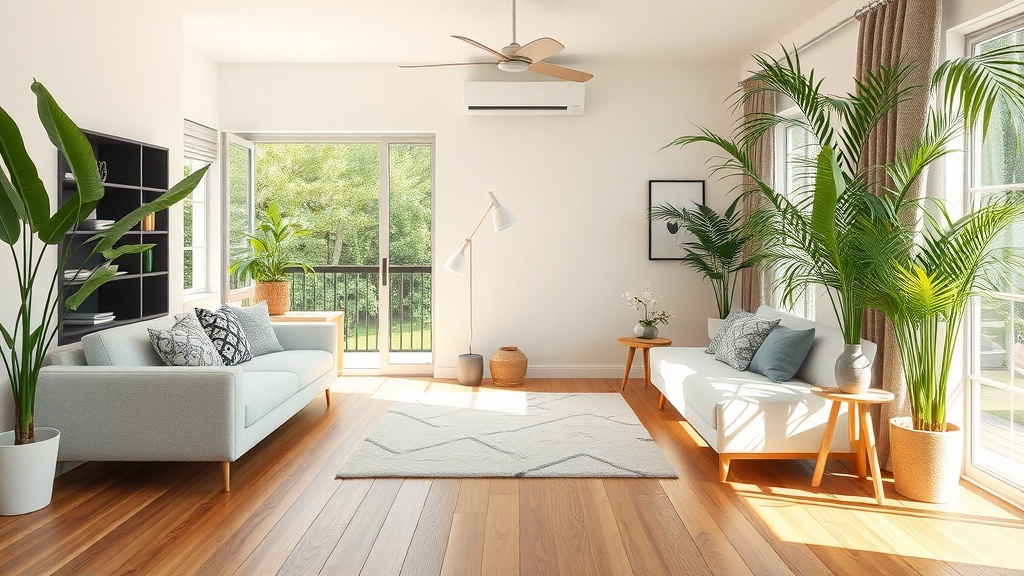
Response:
column 746, row 415
column 132, row 407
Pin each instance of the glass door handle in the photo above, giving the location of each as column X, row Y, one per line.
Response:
column 383, row 271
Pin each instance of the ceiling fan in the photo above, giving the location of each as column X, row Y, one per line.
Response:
column 516, row 58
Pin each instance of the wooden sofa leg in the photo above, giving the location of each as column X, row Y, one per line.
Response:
column 225, row 472
column 328, row 393
column 723, row 467
column 661, row 403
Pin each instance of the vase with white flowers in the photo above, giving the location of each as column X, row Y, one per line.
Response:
column 647, row 327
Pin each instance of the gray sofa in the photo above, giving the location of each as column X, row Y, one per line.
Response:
column 132, row 407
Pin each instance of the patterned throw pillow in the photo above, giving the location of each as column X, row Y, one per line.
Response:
column 729, row 320
column 255, row 321
column 185, row 344
column 226, row 333
column 742, row 339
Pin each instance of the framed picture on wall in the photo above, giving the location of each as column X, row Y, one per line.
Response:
column 666, row 238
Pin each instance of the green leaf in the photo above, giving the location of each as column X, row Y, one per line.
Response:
column 126, row 249
column 23, row 174
column 828, row 186
column 66, row 217
column 72, row 143
column 7, row 337
column 178, row 192
column 10, row 221
column 99, row 277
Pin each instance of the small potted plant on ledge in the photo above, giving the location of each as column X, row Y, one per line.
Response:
column 28, row 455
column 716, row 250
column 647, row 327
column 268, row 260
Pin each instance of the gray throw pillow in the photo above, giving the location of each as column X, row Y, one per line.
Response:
column 742, row 339
column 255, row 320
column 782, row 353
column 226, row 333
column 729, row 320
column 185, row 344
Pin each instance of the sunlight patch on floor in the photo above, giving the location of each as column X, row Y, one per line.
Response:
column 426, row 391
column 689, row 430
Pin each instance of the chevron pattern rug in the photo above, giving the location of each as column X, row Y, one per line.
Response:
column 526, row 435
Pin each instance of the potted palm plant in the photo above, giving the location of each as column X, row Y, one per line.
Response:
column 269, row 259
column 859, row 234
column 28, row 455
column 715, row 251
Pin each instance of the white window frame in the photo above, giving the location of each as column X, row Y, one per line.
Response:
column 204, row 206
column 806, row 304
column 1009, row 488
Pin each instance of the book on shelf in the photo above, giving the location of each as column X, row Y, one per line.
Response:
column 87, row 321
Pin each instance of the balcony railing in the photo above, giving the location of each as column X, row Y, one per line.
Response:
column 355, row 290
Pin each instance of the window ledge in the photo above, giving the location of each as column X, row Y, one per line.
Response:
column 192, row 296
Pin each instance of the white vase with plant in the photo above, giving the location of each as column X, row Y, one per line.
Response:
column 647, row 327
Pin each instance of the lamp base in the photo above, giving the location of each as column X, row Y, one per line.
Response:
column 470, row 369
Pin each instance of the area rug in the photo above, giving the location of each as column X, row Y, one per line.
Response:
column 531, row 435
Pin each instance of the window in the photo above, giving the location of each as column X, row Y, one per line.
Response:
column 996, row 425
column 196, row 231
column 795, row 156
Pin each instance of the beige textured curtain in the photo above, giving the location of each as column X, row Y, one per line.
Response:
column 890, row 30
column 755, row 285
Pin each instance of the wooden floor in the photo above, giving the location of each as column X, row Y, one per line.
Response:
column 287, row 514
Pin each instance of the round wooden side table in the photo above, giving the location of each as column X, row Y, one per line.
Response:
column 862, row 434
column 644, row 344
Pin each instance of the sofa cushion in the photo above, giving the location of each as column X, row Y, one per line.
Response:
column 726, row 324
column 226, row 333
column 742, row 339
column 124, row 345
column 820, row 366
column 185, row 344
column 255, row 320
column 264, row 391
column 308, row 365
column 782, row 353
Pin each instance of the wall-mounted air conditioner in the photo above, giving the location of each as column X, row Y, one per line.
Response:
column 524, row 98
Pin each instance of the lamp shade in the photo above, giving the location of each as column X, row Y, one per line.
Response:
column 503, row 217
column 458, row 263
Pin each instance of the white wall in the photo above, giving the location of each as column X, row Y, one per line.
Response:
column 202, row 105
column 551, row 284
column 113, row 65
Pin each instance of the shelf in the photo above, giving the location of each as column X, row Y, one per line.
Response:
column 76, row 332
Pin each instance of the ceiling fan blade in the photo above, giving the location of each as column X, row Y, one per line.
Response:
column 437, row 65
column 562, row 72
column 539, row 49
column 481, row 46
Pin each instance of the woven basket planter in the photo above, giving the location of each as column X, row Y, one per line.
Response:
column 508, row 367
column 926, row 465
column 277, row 295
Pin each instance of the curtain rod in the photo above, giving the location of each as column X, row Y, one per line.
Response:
column 857, row 14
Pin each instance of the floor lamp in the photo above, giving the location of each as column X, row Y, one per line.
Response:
column 470, row 367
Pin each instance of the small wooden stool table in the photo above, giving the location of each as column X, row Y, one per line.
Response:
column 862, row 434
column 645, row 344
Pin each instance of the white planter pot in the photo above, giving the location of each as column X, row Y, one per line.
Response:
column 714, row 327
column 27, row 471
column 925, row 464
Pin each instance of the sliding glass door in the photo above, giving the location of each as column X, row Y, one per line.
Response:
column 368, row 205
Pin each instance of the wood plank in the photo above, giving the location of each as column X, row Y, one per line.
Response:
column 464, row 554
column 537, row 552
column 501, row 536
column 392, row 544
column 427, row 549
column 360, row 534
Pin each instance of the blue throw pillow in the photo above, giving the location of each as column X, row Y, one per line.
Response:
column 782, row 353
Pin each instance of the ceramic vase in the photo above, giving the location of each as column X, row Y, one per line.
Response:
column 470, row 369
column 645, row 332
column 853, row 370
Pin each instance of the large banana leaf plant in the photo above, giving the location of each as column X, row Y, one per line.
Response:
column 830, row 232
column 31, row 231
column 716, row 250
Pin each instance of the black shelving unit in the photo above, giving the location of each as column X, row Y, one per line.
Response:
column 136, row 173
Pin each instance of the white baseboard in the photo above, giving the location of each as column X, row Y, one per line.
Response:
column 559, row 371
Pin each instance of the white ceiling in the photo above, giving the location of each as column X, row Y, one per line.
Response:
column 418, row 31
